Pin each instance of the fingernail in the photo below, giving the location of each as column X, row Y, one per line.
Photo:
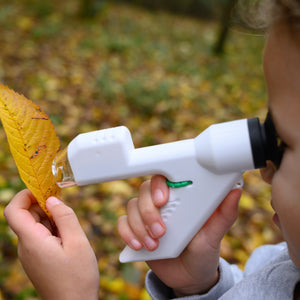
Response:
column 52, row 201
column 158, row 196
column 135, row 244
column 149, row 243
column 157, row 230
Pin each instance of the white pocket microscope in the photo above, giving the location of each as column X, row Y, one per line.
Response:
column 200, row 172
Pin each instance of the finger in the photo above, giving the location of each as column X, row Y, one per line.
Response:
column 66, row 222
column 224, row 216
column 159, row 190
column 127, row 235
column 37, row 213
column 40, row 216
column 18, row 216
column 21, row 200
column 228, row 209
column 138, row 227
column 150, row 214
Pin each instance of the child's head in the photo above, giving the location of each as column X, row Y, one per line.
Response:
column 282, row 75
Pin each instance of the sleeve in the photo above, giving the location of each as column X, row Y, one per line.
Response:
column 262, row 256
column 229, row 275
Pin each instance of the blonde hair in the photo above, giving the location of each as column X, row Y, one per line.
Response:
column 262, row 14
column 285, row 10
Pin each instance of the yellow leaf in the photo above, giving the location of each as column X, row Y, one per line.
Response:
column 133, row 291
column 33, row 143
column 247, row 202
column 145, row 295
column 115, row 285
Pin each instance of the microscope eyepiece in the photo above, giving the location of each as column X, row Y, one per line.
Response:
column 263, row 138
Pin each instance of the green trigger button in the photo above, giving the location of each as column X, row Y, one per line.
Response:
column 178, row 184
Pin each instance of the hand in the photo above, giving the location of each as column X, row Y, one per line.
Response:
column 195, row 271
column 61, row 266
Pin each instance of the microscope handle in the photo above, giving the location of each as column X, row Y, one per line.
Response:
column 187, row 209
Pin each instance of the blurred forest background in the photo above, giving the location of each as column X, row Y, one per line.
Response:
column 153, row 66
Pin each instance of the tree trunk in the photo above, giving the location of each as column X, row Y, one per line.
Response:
column 219, row 47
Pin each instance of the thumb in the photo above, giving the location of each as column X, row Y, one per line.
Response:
column 65, row 220
column 223, row 217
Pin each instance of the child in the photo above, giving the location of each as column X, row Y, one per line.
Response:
column 63, row 266
column 272, row 272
